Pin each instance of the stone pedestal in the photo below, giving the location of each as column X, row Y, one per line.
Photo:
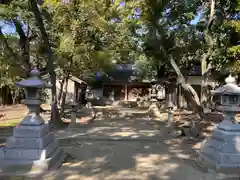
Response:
column 221, row 151
column 32, row 149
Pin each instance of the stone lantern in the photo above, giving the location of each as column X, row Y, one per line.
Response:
column 32, row 149
column 153, row 94
column 89, row 98
column 221, row 151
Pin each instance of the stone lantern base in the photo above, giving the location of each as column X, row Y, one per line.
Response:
column 221, row 152
column 31, row 150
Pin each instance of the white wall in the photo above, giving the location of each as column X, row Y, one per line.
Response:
column 196, row 80
column 70, row 90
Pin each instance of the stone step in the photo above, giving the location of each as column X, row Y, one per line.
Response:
column 30, row 143
column 211, row 152
column 31, row 131
column 226, row 136
column 29, row 154
column 32, row 168
column 224, row 147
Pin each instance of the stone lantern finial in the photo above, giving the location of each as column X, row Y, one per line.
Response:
column 230, row 79
column 35, row 72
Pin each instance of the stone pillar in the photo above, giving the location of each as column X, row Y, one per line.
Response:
column 73, row 113
column 221, row 151
column 154, row 111
column 170, row 113
column 32, row 148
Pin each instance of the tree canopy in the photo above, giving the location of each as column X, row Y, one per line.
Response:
column 160, row 37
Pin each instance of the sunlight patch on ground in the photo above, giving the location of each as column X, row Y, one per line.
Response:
column 76, row 164
column 10, row 122
column 123, row 134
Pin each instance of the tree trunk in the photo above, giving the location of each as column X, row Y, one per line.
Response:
column 24, row 45
column 189, row 92
column 14, row 96
column 55, row 117
column 60, row 91
column 64, row 95
column 206, row 66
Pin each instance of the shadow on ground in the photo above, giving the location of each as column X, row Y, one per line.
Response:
column 128, row 147
column 143, row 150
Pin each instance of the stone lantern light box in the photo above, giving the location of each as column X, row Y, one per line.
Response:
column 32, row 87
column 228, row 97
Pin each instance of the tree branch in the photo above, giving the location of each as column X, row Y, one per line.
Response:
column 208, row 40
column 50, row 66
column 188, row 90
column 32, row 37
column 35, row 10
column 24, row 44
column 7, row 45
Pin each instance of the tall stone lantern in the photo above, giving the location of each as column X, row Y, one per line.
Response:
column 32, row 148
column 221, row 151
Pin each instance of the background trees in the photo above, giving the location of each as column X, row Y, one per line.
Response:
column 84, row 37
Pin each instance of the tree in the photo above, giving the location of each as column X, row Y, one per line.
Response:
column 20, row 50
column 170, row 41
column 232, row 24
column 16, row 14
column 50, row 62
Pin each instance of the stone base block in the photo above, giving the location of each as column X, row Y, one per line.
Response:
column 29, row 154
column 30, row 143
column 32, row 120
column 223, row 168
column 31, row 131
column 29, row 167
column 229, row 126
column 221, row 152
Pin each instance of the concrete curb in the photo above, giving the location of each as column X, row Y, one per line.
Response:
column 114, row 139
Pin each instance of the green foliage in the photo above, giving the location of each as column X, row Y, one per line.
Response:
column 88, row 42
column 91, row 36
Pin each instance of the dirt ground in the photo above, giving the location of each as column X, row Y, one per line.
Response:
column 128, row 148
column 94, row 160
column 12, row 112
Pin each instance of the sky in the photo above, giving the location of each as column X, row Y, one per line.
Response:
column 7, row 29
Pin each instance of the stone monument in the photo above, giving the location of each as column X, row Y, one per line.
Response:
column 32, row 149
column 154, row 111
column 74, row 106
column 221, row 151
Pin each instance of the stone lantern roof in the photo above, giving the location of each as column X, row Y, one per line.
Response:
column 230, row 88
column 33, row 81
